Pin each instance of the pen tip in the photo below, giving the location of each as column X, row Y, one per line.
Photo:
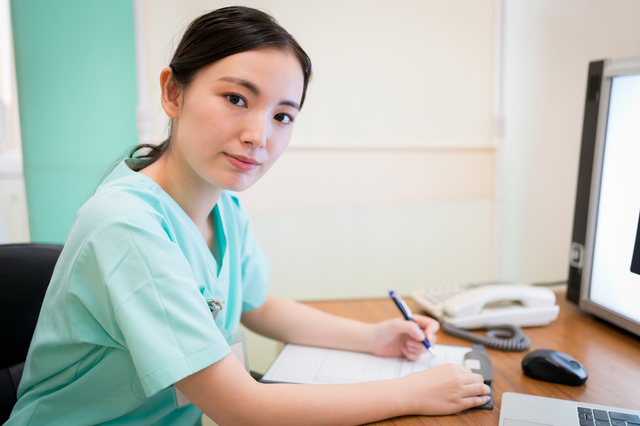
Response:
column 432, row 352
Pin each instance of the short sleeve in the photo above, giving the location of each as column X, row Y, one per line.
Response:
column 153, row 306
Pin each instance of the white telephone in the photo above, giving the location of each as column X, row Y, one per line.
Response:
column 473, row 306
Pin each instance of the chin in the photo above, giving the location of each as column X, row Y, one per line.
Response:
column 232, row 180
column 237, row 185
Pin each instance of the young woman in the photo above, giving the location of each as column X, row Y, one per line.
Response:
column 127, row 321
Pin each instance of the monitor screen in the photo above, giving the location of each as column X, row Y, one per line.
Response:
column 604, row 266
column 615, row 270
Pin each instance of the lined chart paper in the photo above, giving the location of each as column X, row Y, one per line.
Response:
column 309, row 365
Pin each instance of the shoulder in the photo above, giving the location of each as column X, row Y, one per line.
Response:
column 125, row 201
column 120, row 200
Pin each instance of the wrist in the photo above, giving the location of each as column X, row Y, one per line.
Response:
column 369, row 338
column 403, row 398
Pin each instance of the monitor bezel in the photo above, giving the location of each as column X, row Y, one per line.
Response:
column 612, row 68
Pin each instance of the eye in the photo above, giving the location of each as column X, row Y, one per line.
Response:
column 236, row 100
column 283, row 118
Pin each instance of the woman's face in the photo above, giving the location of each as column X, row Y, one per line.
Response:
column 236, row 118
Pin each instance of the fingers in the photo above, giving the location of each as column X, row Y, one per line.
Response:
column 475, row 392
column 478, row 395
column 401, row 337
column 410, row 328
column 486, row 390
column 475, row 401
column 478, row 389
column 414, row 347
column 425, row 321
column 429, row 325
column 422, row 328
column 467, row 376
column 412, row 350
column 462, row 369
column 410, row 355
column 471, row 383
column 450, row 388
column 474, row 382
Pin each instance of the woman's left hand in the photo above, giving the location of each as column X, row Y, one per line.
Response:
column 399, row 337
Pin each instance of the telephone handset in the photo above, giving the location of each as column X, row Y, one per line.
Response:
column 474, row 306
column 522, row 305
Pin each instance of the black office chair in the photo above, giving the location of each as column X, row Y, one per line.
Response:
column 25, row 272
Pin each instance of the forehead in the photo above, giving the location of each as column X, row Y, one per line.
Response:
column 272, row 71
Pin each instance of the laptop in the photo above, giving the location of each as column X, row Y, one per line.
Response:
column 528, row 410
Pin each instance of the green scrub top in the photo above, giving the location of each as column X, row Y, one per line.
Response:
column 126, row 313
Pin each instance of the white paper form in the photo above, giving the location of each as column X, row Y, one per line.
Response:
column 309, row 365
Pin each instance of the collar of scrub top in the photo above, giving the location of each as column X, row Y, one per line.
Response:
column 211, row 262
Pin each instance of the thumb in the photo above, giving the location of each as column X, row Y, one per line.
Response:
column 413, row 330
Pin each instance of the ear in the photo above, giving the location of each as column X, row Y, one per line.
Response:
column 171, row 94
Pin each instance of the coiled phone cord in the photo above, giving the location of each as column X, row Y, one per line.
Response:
column 504, row 337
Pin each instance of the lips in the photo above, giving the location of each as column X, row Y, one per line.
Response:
column 241, row 162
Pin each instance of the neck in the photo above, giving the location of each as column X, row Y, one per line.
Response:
column 195, row 197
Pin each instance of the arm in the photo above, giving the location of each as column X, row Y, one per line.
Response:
column 228, row 395
column 289, row 321
column 293, row 322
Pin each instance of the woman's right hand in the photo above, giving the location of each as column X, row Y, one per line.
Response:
column 445, row 389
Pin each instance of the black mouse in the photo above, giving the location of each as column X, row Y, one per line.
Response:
column 554, row 366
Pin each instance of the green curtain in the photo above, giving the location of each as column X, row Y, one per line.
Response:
column 77, row 94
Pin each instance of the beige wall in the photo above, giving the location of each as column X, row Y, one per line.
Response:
column 548, row 45
column 352, row 222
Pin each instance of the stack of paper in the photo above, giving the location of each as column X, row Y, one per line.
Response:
column 304, row 364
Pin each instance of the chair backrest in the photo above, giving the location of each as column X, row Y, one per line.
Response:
column 25, row 272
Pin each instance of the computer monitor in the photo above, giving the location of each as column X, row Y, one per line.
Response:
column 604, row 266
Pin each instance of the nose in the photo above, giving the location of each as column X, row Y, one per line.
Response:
column 256, row 130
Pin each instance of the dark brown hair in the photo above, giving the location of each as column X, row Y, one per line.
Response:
column 216, row 35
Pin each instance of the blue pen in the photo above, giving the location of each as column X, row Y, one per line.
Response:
column 406, row 312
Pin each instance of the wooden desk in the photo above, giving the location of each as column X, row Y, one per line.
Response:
column 610, row 355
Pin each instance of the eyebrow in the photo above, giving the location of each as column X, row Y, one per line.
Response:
column 253, row 89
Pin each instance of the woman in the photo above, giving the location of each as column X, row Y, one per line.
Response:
column 127, row 328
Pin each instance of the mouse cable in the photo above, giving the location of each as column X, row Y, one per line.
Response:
column 504, row 337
